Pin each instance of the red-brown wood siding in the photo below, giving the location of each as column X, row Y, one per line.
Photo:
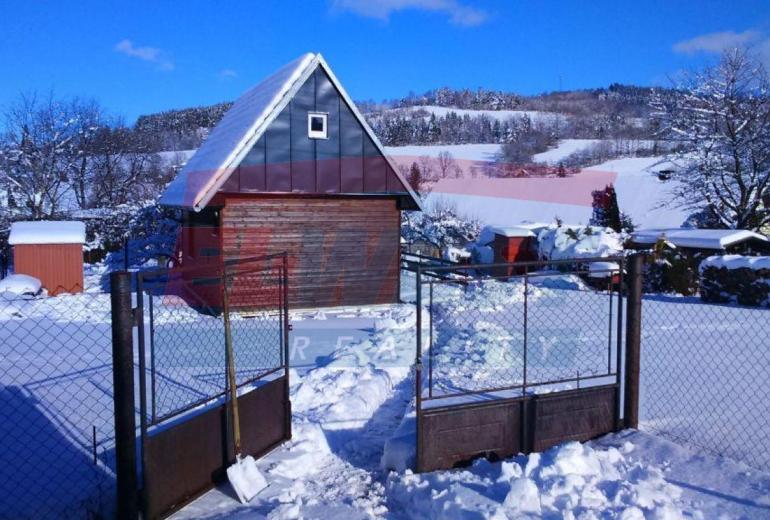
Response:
column 59, row 267
column 513, row 249
column 342, row 251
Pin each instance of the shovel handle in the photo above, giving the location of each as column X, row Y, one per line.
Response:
column 231, row 382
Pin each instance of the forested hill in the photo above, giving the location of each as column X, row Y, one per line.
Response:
column 451, row 116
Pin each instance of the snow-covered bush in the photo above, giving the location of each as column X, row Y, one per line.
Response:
column 442, row 225
column 735, row 278
column 565, row 242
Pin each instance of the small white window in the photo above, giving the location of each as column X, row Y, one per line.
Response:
column 316, row 125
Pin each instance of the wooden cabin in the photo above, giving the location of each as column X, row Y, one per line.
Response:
column 293, row 166
column 52, row 252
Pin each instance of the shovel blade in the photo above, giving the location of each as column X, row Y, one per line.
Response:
column 245, row 478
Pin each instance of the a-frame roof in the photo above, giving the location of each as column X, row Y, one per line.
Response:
column 242, row 126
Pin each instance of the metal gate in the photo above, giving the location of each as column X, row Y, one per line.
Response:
column 186, row 440
column 515, row 358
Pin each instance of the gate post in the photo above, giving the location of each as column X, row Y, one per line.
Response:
column 418, row 371
column 633, row 341
column 123, row 387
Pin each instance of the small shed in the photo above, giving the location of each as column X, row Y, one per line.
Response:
column 52, row 252
column 513, row 244
column 294, row 167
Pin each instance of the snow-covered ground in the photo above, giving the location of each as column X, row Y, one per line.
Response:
column 352, row 404
column 565, row 148
column 352, row 387
column 467, row 152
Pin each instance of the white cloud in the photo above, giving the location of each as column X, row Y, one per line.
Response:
column 459, row 14
column 717, row 42
column 148, row 54
column 228, row 74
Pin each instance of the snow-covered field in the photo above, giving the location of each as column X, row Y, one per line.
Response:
column 565, row 148
column 505, row 202
column 352, row 387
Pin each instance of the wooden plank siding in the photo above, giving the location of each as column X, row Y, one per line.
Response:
column 59, row 267
column 342, row 250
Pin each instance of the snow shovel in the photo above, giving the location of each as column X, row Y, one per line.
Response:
column 244, row 476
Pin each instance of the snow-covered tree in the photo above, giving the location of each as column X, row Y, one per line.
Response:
column 441, row 225
column 41, row 146
column 723, row 117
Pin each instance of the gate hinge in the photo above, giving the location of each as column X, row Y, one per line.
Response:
column 136, row 316
column 290, row 327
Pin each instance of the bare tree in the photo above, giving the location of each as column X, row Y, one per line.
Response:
column 723, row 118
column 447, row 166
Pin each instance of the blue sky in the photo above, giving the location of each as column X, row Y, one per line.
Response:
column 145, row 56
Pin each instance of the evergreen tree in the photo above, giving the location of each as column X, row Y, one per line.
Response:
column 415, row 177
column 606, row 212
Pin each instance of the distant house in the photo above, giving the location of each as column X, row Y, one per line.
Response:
column 711, row 241
column 664, row 170
column 293, row 166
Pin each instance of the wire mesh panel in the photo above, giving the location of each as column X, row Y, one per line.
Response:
column 56, row 408
column 705, row 372
column 184, row 353
column 529, row 327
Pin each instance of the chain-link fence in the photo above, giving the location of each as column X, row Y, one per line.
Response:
column 521, row 327
column 56, row 408
column 705, row 376
column 184, row 331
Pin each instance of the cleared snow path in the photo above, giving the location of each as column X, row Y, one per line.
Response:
column 343, row 413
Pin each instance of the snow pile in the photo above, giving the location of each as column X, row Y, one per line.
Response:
column 558, row 243
column 47, row 232
column 19, row 284
column 568, row 481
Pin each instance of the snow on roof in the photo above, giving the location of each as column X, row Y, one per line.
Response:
column 512, row 231
column 602, row 269
column 736, row 262
column 243, row 125
column 697, row 238
column 47, row 232
column 663, row 165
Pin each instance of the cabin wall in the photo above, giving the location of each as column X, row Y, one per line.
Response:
column 59, row 267
column 342, row 250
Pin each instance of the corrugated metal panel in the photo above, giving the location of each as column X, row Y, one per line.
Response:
column 342, row 251
column 59, row 267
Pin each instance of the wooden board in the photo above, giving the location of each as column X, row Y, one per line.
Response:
column 342, row 251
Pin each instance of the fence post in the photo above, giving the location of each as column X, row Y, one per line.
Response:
column 418, row 368
column 633, row 341
column 123, row 387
